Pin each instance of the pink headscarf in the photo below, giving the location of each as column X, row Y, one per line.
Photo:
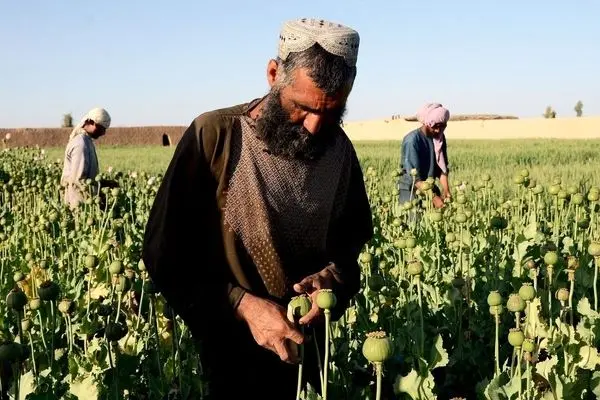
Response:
column 429, row 115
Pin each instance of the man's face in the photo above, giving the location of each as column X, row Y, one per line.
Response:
column 297, row 120
column 436, row 129
column 95, row 130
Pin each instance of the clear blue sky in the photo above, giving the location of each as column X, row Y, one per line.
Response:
column 158, row 62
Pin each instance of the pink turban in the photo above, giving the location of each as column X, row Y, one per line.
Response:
column 431, row 114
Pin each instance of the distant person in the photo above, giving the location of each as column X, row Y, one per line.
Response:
column 425, row 150
column 81, row 161
column 261, row 202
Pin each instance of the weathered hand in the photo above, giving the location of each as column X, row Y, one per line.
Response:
column 269, row 326
column 447, row 197
column 311, row 285
column 438, row 202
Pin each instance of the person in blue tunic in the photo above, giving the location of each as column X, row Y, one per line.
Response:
column 425, row 155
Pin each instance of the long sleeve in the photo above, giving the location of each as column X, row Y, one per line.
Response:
column 182, row 248
column 76, row 162
column 409, row 160
column 351, row 231
column 74, row 169
column 445, row 153
column 410, row 156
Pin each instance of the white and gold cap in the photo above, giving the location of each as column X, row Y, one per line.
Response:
column 299, row 35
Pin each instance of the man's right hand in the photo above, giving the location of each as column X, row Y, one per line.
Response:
column 438, row 202
column 269, row 326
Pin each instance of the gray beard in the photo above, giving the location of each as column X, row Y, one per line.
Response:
column 287, row 139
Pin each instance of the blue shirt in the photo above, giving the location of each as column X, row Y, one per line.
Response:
column 418, row 152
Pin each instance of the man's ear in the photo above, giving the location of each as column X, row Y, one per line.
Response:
column 272, row 72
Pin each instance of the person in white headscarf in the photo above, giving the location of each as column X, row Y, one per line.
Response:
column 81, row 161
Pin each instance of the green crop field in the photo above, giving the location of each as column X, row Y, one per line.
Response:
column 577, row 159
column 494, row 297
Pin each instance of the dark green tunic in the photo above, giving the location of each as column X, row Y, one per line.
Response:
column 203, row 271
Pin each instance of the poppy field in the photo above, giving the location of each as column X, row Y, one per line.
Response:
column 493, row 297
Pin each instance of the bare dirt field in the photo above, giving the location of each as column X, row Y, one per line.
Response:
column 374, row 130
column 527, row 128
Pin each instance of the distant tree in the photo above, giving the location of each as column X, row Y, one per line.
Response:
column 549, row 113
column 67, row 121
column 579, row 108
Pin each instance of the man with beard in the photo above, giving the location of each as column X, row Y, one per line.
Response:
column 81, row 161
column 261, row 202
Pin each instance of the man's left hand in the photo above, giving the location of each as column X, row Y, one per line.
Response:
column 311, row 285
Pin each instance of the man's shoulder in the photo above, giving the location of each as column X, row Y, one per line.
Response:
column 344, row 140
column 411, row 136
column 220, row 116
column 78, row 141
column 414, row 133
column 212, row 130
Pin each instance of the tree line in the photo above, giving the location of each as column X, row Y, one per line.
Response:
column 551, row 113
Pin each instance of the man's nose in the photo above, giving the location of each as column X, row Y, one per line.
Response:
column 312, row 123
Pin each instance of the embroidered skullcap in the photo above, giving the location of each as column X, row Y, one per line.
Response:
column 337, row 39
column 99, row 115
